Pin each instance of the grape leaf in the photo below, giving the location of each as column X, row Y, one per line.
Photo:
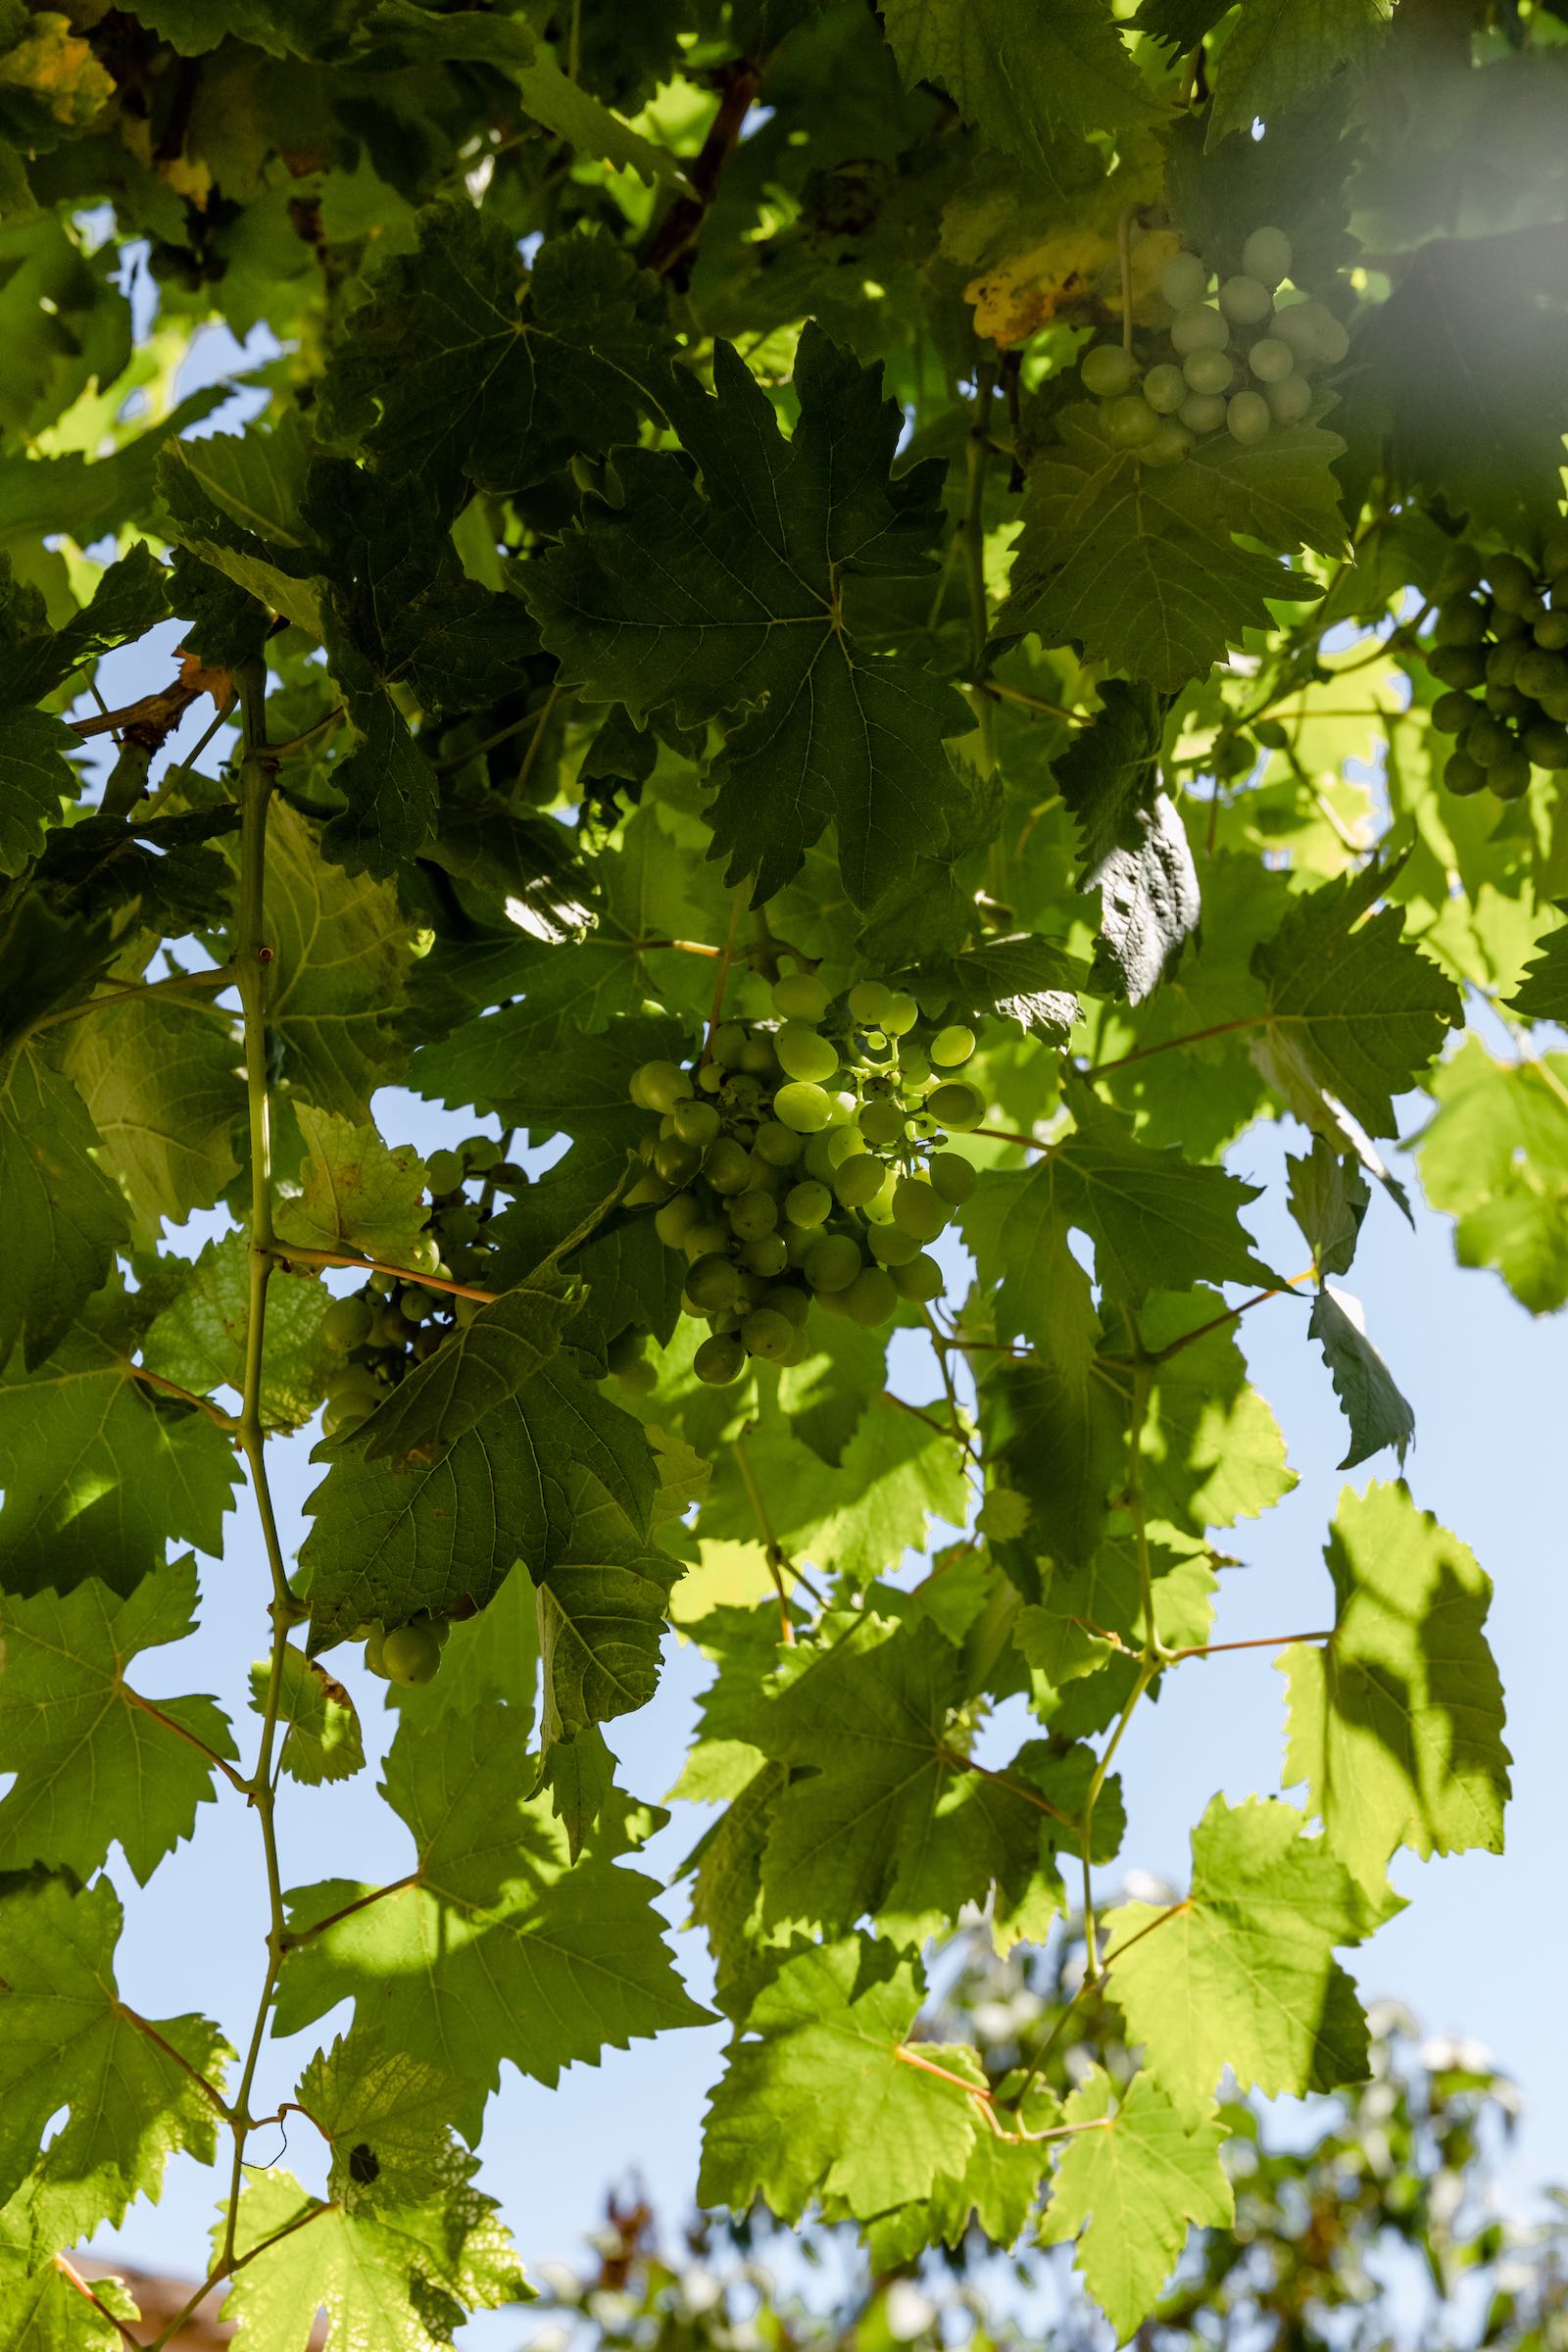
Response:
column 357, row 1194
column 1126, row 2185
column 37, row 781
column 161, row 1079
column 384, row 2112
column 1395, row 1723
column 1213, row 1452
column 579, row 1087
column 496, row 1945
column 1329, row 1199
column 1031, row 80
column 132, row 2090
column 494, row 1655
column 402, row 2279
column 1356, row 1013
column 1378, row 1414
column 1109, row 772
column 199, row 1337
column 320, row 1738
column 1140, row 567
column 1494, row 1156
column 1148, row 903
column 1242, row 1972
column 821, row 2103
column 478, row 1368
column 94, row 1761
column 734, row 599
column 1277, row 53
column 340, row 958
column 64, row 1218
column 602, row 1610
column 103, row 1474
column 42, row 2311
column 1542, row 993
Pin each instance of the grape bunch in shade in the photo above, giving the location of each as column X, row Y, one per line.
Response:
column 1238, row 361
column 1499, row 650
column 804, row 1162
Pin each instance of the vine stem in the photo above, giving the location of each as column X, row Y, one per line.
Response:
column 221, row 978
column 172, row 1388
column 778, row 1558
column 252, row 958
column 291, row 1253
column 1168, row 1045
column 74, row 2277
column 971, row 535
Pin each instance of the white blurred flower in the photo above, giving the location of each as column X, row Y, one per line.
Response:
column 909, row 2312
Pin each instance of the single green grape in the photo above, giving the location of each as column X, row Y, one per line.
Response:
column 950, row 1047
column 720, row 1359
column 758, row 1058
column 919, row 1278
column 425, row 1255
column 415, row 1305
column 411, row 1653
column 1165, row 388
column 1551, row 630
column 778, row 1145
column 727, row 1043
column 1452, row 712
column 704, row 1239
column 626, row 1347
column 767, row 1255
column 1199, row 328
column 712, row 1282
column 832, row 1263
column 859, row 1179
column 727, row 1166
column 767, row 1334
column 1506, row 702
column 1244, row 300
column 1555, row 551
column 823, row 1152
column 806, row 1107
column 919, row 1208
column 460, row 1222
column 1271, row 361
column 1508, row 778
column 957, row 1103
column 952, row 1177
column 799, row 997
column 1203, row 412
column 1184, row 281
column 675, row 1219
column 915, row 1064
column 1541, row 673
column 882, row 1120
column 444, row 1170
column 1470, row 664
column 805, row 1052
column 346, row 1323
column 1460, row 622
column 1105, row 370
column 372, row 1651
column 696, row 1122
column 340, row 1418
column 1289, row 399
column 480, row 1153
column 1130, row 421
column 1266, row 256
column 659, row 1085
column 709, row 1077
column 1510, row 579
column 1169, row 446
column 1247, row 418
column 808, row 1203
column 1500, row 662
column 872, row 1297
column 868, row 1001
column 675, row 1161
column 1546, row 746
column 1489, row 740
column 789, row 1300
column 890, row 1244
column 752, row 1215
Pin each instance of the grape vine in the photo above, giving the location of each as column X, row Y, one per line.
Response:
column 831, row 650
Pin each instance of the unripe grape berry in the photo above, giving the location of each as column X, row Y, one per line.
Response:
column 676, row 1219
column 1469, row 665
column 832, row 1263
column 859, row 1179
column 868, row 1001
column 1270, row 360
column 950, row 1176
column 1538, row 672
column 957, row 1103
column 778, row 1145
column 727, row 1043
column 1266, row 256
column 1510, row 579
column 1452, row 712
column 675, row 1161
column 1208, row 370
column 1199, row 329
column 704, row 1239
column 727, row 1166
column 1462, row 774
column 882, row 1120
column 1165, row 388
column 1168, row 446
column 918, row 1208
column 1245, row 301
column 460, row 1222
column 1184, row 281
column 425, row 1255
column 709, row 1077
column 341, row 1417
column 804, row 1107
column 480, row 1152
column 1508, row 778
column 346, row 1323
column 1246, row 418
column 1546, row 746
column 1489, row 741
column 1289, row 399
column 1551, row 630
column 799, row 997
column 372, row 1651
column 790, row 1301
column 659, row 1085
column 649, row 1192
column 920, row 1278
column 872, row 1297
column 900, row 1014
column 824, row 1152
column 410, row 1654
column 951, row 1046
column 696, row 1123
column 1297, row 324
column 1460, row 624
column 765, row 1333
column 1105, row 370
column 808, row 1203
column 1506, row 702
column 751, row 1214
column 712, row 1282
column 720, row 1359
column 915, row 1064
column 805, row 1052
column 1203, row 412
column 891, row 1245
column 1130, row 421
column 767, row 1256
column 1555, row 551
column 444, row 1172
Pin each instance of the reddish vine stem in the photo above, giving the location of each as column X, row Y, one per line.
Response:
column 295, row 1254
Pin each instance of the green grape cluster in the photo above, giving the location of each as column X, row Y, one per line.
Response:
column 1501, row 650
column 803, row 1160
column 1240, row 364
